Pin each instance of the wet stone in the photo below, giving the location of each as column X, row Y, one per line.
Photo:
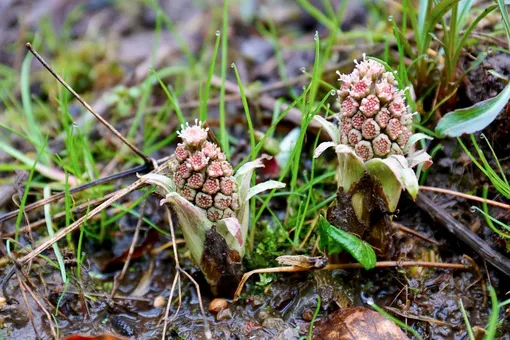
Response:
column 224, row 314
column 217, row 305
column 307, row 315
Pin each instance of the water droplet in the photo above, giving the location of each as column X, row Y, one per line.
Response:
column 333, row 92
column 302, row 69
column 218, row 33
column 304, row 87
column 472, row 209
column 75, row 124
column 489, row 50
column 370, row 301
column 426, row 58
column 316, row 35
column 232, row 65
column 390, row 18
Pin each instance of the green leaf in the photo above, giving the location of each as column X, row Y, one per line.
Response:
column 336, row 239
column 474, row 118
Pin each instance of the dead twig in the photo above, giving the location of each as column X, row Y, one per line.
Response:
column 466, row 196
column 415, row 233
column 146, row 158
column 178, row 269
column 58, row 216
column 63, row 232
column 139, row 169
column 345, row 266
column 463, row 233
column 130, row 252
column 45, row 311
column 420, row 318
column 29, row 310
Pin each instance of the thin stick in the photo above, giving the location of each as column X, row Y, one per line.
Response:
column 466, row 196
column 63, row 232
column 146, row 158
column 29, row 311
column 344, row 266
column 56, row 197
column 207, row 330
column 60, row 215
column 463, row 233
column 415, row 233
column 130, row 252
column 45, row 311
column 106, row 296
column 177, row 274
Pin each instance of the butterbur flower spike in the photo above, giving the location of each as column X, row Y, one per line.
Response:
column 374, row 135
column 211, row 203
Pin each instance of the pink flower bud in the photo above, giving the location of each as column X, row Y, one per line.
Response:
column 214, row 169
column 210, row 150
column 370, row 129
column 211, row 186
column 184, row 170
column 357, row 120
column 196, row 180
column 181, row 153
column 360, row 88
column 227, row 185
column 188, row 193
column 383, row 117
column 354, row 137
column 364, row 150
column 214, row 214
column 394, row 128
column 381, row 145
column 222, row 201
column 198, row 161
column 203, row 201
column 369, row 105
column 349, row 107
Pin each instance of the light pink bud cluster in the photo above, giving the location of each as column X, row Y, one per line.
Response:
column 374, row 117
column 202, row 174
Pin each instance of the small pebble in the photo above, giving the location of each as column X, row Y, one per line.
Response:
column 159, row 301
column 224, row 314
column 217, row 305
column 307, row 315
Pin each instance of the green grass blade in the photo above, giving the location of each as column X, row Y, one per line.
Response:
column 224, row 144
column 466, row 321
column 205, row 98
column 492, row 326
column 49, row 227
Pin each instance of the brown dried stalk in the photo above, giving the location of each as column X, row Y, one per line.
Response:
column 345, row 266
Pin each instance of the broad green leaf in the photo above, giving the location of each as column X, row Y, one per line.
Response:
column 474, row 118
column 338, row 239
